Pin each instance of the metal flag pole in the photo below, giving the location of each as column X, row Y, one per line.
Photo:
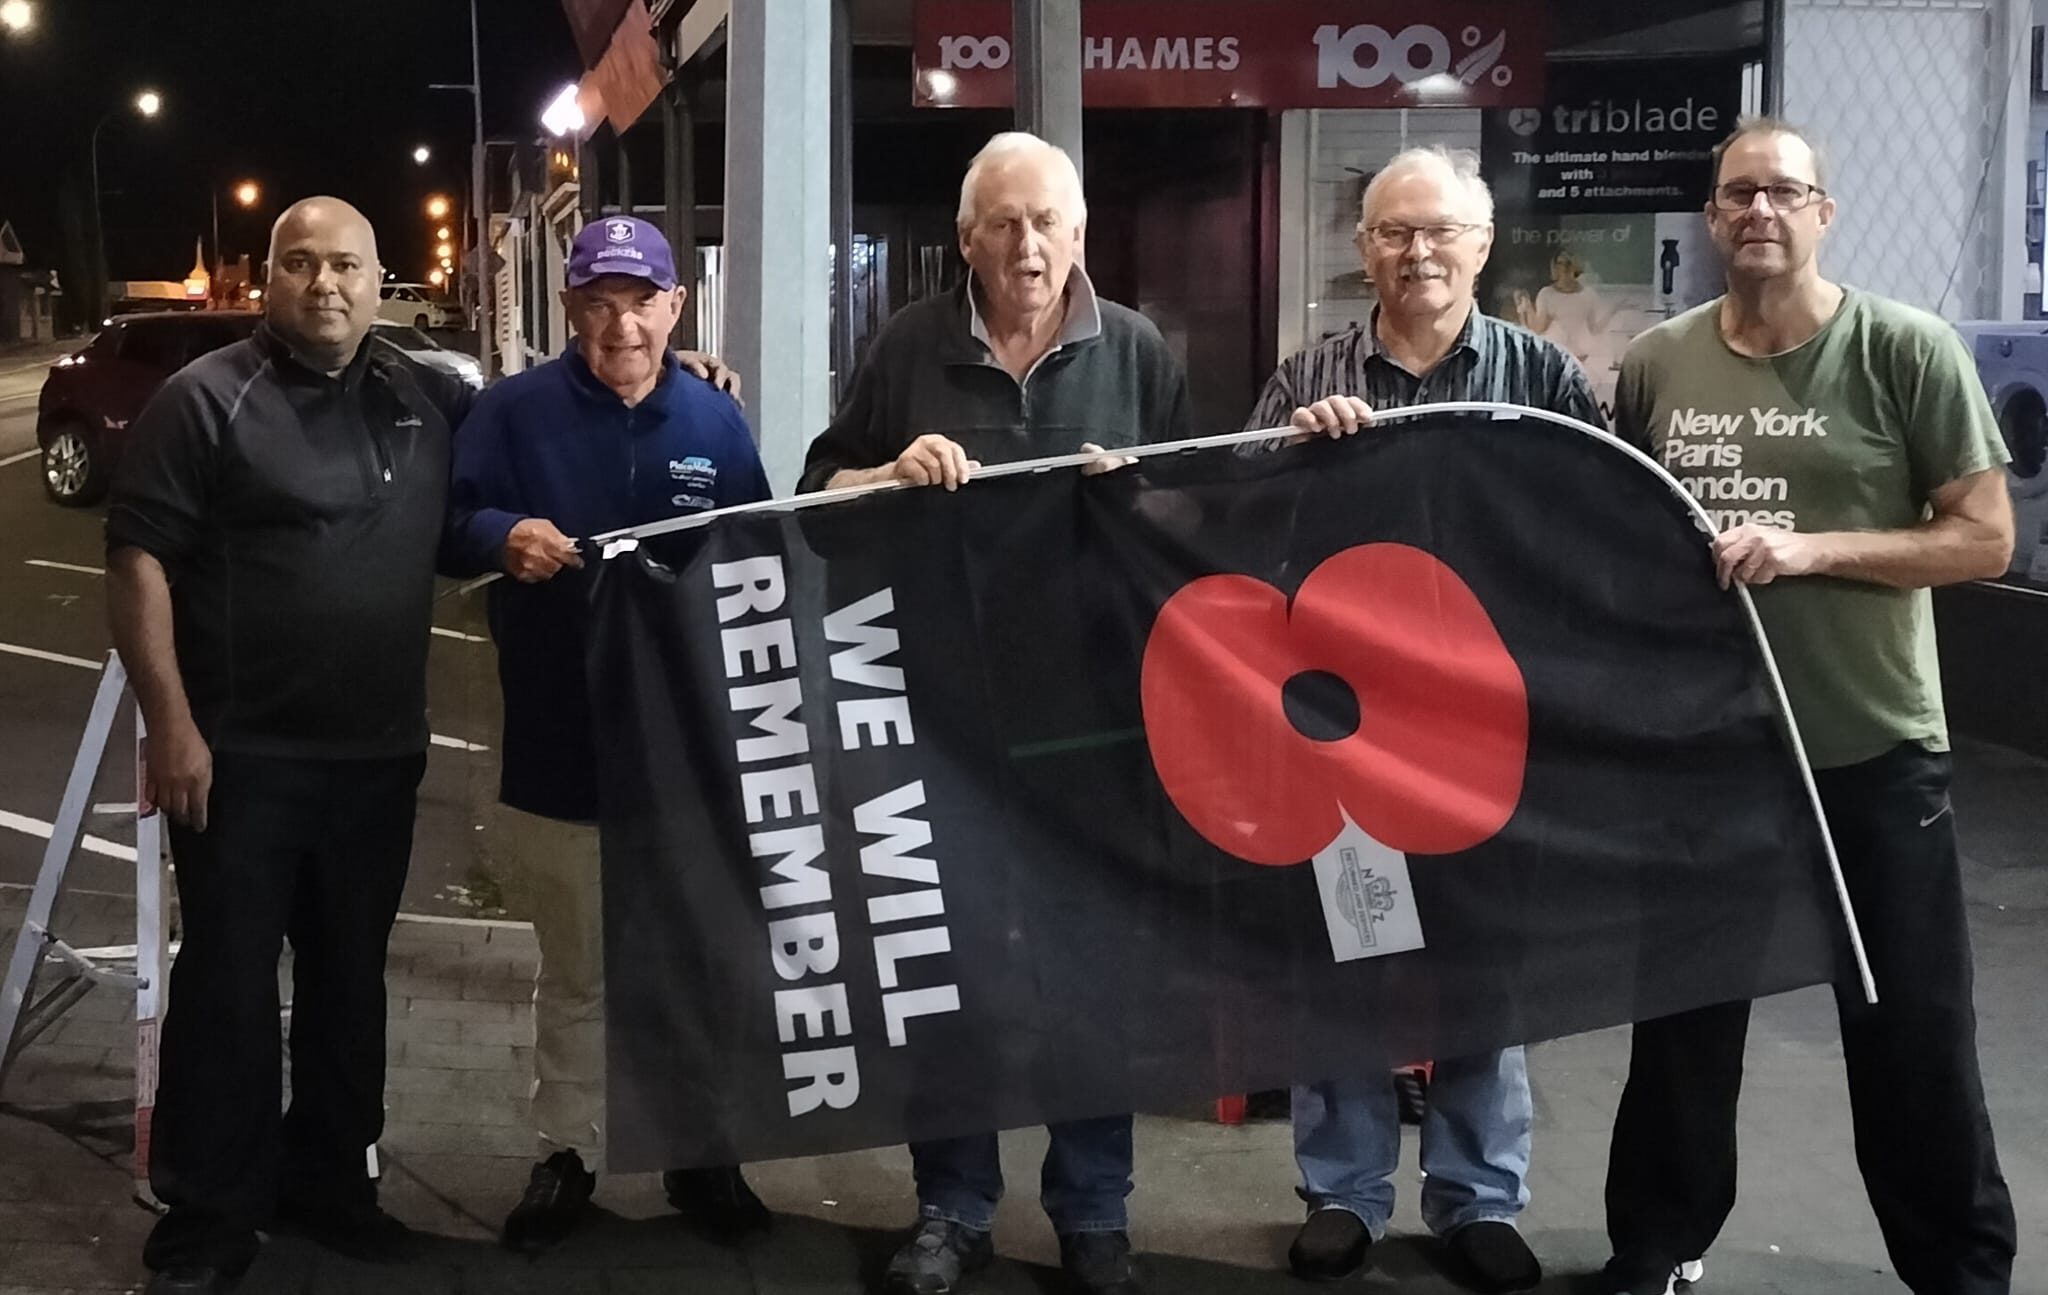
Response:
column 612, row 542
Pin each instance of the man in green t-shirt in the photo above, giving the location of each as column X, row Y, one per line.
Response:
column 1850, row 461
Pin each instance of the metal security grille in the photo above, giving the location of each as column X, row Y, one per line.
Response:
column 1909, row 99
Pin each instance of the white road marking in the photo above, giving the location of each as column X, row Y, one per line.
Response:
column 57, row 657
column 63, row 566
column 438, row 739
column 20, row 458
column 423, row 919
column 435, row 919
column 37, row 827
column 83, row 570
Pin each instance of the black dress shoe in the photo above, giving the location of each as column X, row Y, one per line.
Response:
column 717, row 1201
column 935, row 1257
column 1330, row 1246
column 557, row 1193
column 356, row 1229
column 1495, row 1258
column 1099, row 1263
column 190, row 1279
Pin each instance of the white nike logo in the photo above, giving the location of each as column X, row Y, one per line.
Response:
column 1945, row 807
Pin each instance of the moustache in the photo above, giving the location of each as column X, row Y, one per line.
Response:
column 1424, row 270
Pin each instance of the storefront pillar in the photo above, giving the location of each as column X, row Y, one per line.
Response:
column 778, row 223
column 1047, row 36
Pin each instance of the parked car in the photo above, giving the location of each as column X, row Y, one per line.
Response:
column 416, row 304
column 429, row 352
column 90, row 396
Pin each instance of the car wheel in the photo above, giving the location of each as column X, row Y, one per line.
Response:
column 71, row 470
column 420, row 322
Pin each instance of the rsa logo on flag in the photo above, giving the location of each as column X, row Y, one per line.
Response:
column 1271, row 54
column 1382, row 697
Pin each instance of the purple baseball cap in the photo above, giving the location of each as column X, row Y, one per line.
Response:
column 621, row 245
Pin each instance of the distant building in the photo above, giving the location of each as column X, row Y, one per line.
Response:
column 28, row 297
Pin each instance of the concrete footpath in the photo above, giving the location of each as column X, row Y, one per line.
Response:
column 1214, row 1207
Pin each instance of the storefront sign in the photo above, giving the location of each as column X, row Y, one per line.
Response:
column 1630, row 135
column 1283, row 54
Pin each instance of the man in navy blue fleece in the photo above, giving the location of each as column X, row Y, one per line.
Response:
column 611, row 435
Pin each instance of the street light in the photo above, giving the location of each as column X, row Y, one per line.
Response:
column 421, row 154
column 563, row 115
column 442, row 233
column 149, row 103
column 437, row 278
column 18, row 17
column 479, row 200
column 437, row 206
column 246, row 193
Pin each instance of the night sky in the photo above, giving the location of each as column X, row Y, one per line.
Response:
column 302, row 96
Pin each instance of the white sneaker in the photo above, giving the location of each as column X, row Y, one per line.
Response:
column 1685, row 1274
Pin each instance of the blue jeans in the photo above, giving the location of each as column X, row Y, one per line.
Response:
column 1086, row 1176
column 1475, row 1143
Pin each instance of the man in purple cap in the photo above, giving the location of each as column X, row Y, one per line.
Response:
column 613, row 434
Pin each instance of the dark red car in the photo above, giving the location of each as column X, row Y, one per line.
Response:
column 90, row 397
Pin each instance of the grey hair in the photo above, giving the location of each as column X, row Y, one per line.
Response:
column 1462, row 164
column 1008, row 146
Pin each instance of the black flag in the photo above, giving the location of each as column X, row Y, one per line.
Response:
column 929, row 813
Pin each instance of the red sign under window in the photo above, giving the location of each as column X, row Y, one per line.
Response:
column 1280, row 54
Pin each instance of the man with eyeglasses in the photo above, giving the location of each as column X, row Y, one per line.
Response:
column 1424, row 235
column 615, row 433
column 1850, row 460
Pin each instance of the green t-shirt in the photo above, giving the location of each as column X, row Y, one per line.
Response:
column 1852, row 431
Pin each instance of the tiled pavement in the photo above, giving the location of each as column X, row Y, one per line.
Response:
column 1214, row 1206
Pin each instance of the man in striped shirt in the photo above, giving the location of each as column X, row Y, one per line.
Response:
column 1424, row 234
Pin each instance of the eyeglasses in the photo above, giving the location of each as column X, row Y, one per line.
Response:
column 1783, row 195
column 1396, row 238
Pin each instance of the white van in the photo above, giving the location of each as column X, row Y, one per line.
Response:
column 418, row 305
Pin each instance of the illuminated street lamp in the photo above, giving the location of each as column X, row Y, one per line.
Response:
column 563, row 115
column 437, row 207
column 247, row 193
column 18, row 17
column 437, row 278
column 421, row 154
column 442, row 233
column 445, row 250
column 149, row 103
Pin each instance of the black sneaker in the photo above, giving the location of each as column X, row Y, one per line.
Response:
column 932, row 1261
column 190, row 1279
column 358, row 1229
column 717, row 1200
column 1330, row 1246
column 1099, row 1263
column 557, row 1193
column 1495, row 1257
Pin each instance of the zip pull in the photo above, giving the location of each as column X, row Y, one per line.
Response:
column 387, row 476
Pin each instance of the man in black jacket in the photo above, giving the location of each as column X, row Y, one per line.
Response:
column 271, row 546
column 1023, row 361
